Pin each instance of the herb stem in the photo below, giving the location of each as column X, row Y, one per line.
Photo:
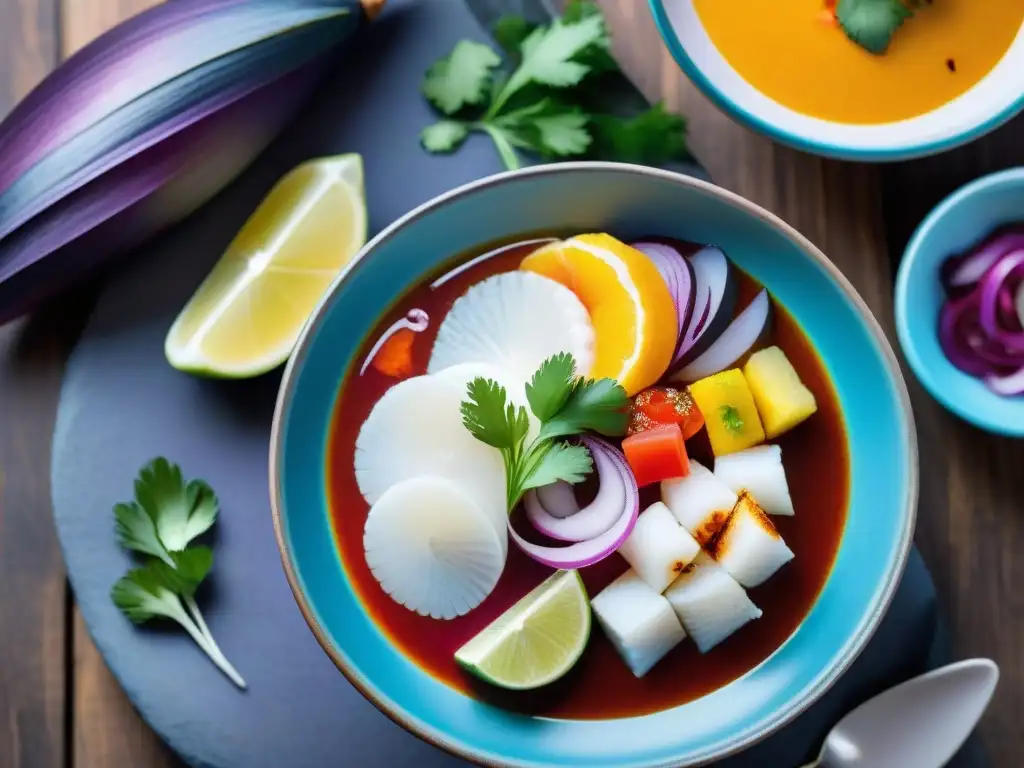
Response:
column 505, row 149
column 201, row 634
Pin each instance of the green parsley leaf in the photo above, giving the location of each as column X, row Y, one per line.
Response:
column 188, row 572
column 444, row 136
column 489, row 416
column 462, row 78
column 510, row 32
column 595, row 405
column 731, row 418
column 180, row 511
column 136, row 529
column 651, row 138
column 141, row 596
column 872, row 23
column 551, row 386
column 559, row 461
column 562, row 133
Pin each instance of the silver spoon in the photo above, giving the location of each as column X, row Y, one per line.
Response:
column 918, row 724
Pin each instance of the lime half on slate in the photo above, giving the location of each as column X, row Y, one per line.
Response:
column 537, row 640
column 246, row 316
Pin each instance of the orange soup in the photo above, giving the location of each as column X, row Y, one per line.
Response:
column 600, row 685
column 793, row 53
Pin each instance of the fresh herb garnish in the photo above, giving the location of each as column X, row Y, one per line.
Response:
column 161, row 524
column 731, row 419
column 538, row 101
column 564, row 404
column 872, row 23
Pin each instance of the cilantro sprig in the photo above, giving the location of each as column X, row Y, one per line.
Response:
column 564, row 404
column 161, row 524
column 872, row 23
column 544, row 97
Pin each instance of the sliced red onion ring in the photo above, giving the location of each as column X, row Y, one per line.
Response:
column 598, row 516
column 585, row 553
column 1001, row 272
column 1011, row 384
column 1018, row 304
column 558, row 499
column 678, row 274
column 969, row 269
column 716, row 299
column 741, row 335
column 965, row 343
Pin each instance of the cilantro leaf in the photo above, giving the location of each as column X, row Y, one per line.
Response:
column 559, row 461
column 180, row 511
column 650, row 138
column 444, row 136
column 562, row 133
column 490, row 418
column 136, row 529
column 731, row 418
column 141, row 596
column 597, row 405
column 461, row 79
column 872, row 23
column 188, row 572
column 510, row 32
column 551, row 385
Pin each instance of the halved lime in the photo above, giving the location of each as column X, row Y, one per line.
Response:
column 246, row 316
column 537, row 640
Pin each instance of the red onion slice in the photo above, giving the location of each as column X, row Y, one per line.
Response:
column 678, row 274
column 594, row 519
column 1011, row 384
column 738, row 339
column 585, row 553
column 558, row 499
column 969, row 269
column 716, row 291
column 1004, row 270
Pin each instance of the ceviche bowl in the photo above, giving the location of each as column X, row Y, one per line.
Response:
column 824, row 326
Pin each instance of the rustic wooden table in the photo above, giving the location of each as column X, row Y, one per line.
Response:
column 59, row 705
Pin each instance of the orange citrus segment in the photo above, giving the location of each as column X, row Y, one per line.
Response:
column 629, row 303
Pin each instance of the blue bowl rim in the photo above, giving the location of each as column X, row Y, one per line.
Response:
column 884, row 593
column 803, row 143
column 925, row 374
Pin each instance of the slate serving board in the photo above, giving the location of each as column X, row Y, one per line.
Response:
column 122, row 404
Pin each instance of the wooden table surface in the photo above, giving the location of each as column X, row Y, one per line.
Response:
column 59, row 705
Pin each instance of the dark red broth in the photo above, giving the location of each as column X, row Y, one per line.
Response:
column 601, row 686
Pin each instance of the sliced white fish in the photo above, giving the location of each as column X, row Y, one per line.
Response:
column 416, row 430
column 749, row 547
column 700, row 502
column 710, row 604
column 432, row 548
column 462, row 374
column 760, row 471
column 658, row 548
column 638, row 621
column 515, row 321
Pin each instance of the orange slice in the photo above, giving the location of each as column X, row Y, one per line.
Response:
column 629, row 303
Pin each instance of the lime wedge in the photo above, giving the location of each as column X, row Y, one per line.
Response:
column 246, row 316
column 537, row 640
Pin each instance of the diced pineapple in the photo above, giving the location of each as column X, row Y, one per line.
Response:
column 781, row 398
column 729, row 411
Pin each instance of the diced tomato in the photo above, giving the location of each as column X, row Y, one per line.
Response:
column 657, row 454
column 661, row 406
column 394, row 358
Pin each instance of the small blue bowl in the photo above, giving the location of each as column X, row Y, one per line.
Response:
column 629, row 201
column 961, row 220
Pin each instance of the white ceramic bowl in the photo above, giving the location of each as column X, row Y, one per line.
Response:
column 990, row 103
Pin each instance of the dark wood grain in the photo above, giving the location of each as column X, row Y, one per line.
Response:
column 34, row 598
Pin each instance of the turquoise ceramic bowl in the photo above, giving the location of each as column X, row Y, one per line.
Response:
column 629, row 201
column 958, row 222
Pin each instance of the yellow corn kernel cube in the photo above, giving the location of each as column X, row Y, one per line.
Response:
column 781, row 398
column 729, row 411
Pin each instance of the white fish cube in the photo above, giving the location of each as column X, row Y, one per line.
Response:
column 700, row 502
column 710, row 603
column 658, row 548
column 749, row 547
column 638, row 621
column 758, row 470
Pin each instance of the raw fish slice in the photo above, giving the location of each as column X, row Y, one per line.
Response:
column 760, row 471
column 515, row 321
column 659, row 548
column 462, row 374
column 638, row 621
column 432, row 548
column 700, row 502
column 749, row 547
column 710, row 603
column 416, row 429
